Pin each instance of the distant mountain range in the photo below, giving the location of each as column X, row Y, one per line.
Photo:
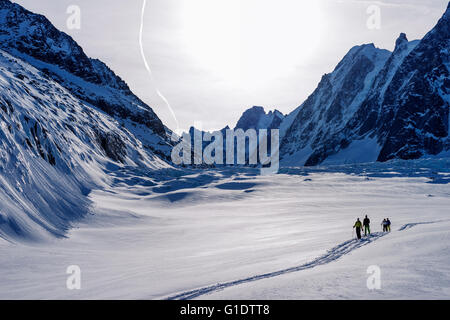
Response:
column 376, row 105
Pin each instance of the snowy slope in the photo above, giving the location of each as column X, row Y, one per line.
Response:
column 413, row 260
column 166, row 234
column 396, row 102
column 34, row 39
column 54, row 150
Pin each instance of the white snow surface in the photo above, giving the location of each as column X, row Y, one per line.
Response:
column 231, row 233
column 51, row 153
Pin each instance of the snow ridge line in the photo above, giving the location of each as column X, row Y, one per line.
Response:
column 331, row 255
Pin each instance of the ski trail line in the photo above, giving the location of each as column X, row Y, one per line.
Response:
column 331, row 255
column 410, row 225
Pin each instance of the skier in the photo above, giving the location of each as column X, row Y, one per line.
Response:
column 358, row 226
column 366, row 223
column 388, row 225
column 384, row 224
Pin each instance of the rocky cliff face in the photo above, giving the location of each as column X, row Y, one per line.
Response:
column 377, row 105
column 414, row 117
column 257, row 118
column 314, row 131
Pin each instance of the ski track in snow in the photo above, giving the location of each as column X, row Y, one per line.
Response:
column 410, row 225
column 332, row 255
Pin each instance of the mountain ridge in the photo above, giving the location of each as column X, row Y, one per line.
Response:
column 55, row 148
column 400, row 113
column 33, row 38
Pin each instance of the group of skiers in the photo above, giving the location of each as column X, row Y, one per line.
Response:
column 386, row 224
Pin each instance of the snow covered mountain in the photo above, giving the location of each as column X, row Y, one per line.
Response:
column 253, row 118
column 376, row 105
column 54, row 149
column 336, row 99
column 34, row 39
column 65, row 121
column 257, row 118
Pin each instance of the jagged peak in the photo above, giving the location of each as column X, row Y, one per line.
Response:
column 62, row 52
column 401, row 39
column 277, row 113
column 369, row 50
column 256, row 117
column 261, row 111
column 361, row 48
column 257, row 109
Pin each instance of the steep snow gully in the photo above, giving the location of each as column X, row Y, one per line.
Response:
column 333, row 254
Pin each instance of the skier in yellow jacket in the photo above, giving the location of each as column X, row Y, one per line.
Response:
column 358, row 227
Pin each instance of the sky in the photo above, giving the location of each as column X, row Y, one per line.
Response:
column 210, row 60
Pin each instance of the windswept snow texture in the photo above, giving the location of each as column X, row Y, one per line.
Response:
column 398, row 102
column 332, row 255
column 54, row 150
column 172, row 234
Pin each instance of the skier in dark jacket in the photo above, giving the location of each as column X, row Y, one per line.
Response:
column 384, row 224
column 388, row 225
column 366, row 224
column 358, row 227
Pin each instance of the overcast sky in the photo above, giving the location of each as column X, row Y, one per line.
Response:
column 212, row 59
